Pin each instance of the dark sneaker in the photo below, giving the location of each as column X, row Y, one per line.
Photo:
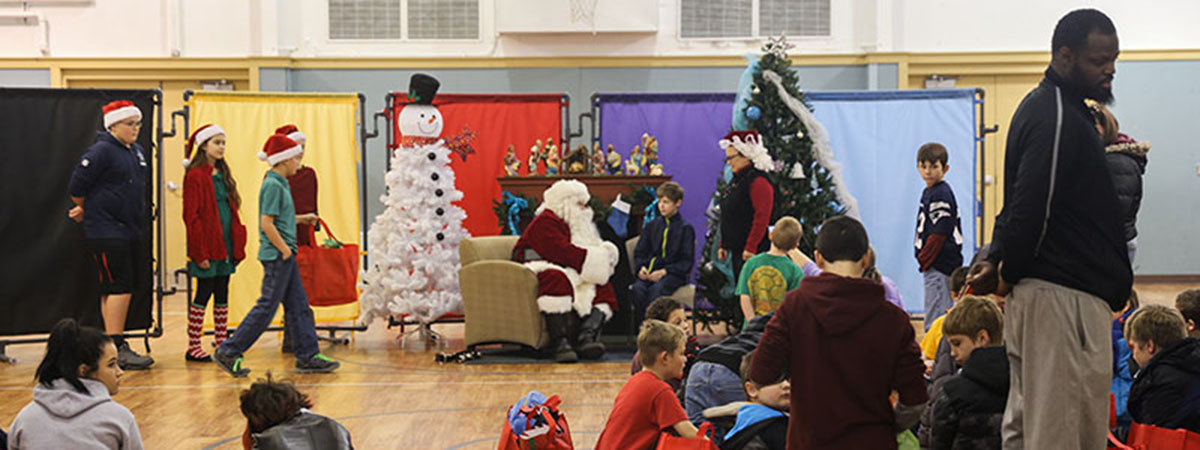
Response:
column 231, row 364
column 130, row 360
column 317, row 364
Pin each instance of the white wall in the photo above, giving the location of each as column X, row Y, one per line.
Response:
column 955, row 25
column 238, row 28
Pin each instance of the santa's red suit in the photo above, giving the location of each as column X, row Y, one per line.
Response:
column 563, row 247
column 570, row 277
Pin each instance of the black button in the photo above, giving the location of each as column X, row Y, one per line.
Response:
column 438, row 192
column 434, row 177
column 431, row 156
column 440, row 211
column 441, row 236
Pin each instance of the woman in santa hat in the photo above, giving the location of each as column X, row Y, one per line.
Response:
column 216, row 238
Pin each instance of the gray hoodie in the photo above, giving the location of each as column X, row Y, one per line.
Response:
column 61, row 417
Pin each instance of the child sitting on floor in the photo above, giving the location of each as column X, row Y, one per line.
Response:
column 646, row 405
column 277, row 417
column 762, row 420
column 966, row 409
column 1166, row 391
column 670, row 311
column 1188, row 304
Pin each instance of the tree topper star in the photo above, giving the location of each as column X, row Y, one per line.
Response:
column 779, row 46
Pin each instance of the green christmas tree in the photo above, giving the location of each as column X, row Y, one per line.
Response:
column 805, row 179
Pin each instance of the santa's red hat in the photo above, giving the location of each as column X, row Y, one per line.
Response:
column 749, row 144
column 198, row 138
column 279, row 148
column 119, row 110
column 291, row 132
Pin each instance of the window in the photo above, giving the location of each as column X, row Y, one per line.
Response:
column 443, row 19
column 711, row 19
column 421, row 19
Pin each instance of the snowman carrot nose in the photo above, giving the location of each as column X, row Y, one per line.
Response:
column 432, row 119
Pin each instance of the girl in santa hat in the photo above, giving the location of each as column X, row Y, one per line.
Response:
column 216, row 238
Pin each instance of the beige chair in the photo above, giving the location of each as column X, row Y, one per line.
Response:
column 499, row 295
column 686, row 294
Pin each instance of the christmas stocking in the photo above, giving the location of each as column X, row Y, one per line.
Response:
column 618, row 219
column 194, row 330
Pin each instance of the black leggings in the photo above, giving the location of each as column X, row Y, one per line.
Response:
column 216, row 287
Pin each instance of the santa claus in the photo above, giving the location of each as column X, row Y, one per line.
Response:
column 563, row 246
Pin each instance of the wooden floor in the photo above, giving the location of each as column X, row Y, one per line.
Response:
column 387, row 394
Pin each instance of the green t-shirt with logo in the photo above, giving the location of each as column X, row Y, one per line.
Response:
column 767, row 278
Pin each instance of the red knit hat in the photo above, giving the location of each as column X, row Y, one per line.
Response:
column 291, row 132
column 198, row 138
column 279, row 148
column 119, row 110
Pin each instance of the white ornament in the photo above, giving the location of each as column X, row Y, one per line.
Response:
column 797, row 171
column 420, row 121
column 755, row 90
column 800, row 134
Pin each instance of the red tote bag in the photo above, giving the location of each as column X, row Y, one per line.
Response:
column 702, row 441
column 548, row 429
column 329, row 274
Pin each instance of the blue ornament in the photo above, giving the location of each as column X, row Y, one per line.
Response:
column 753, row 113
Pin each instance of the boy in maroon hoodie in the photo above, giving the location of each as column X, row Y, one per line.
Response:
column 846, row 349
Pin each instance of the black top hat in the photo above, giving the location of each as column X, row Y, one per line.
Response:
column 422, row 88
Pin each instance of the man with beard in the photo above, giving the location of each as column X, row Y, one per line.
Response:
column 573, row 265
column 1059, row 247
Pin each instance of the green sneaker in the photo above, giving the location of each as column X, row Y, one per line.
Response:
column 317, row 364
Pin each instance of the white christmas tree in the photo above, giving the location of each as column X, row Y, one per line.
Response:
column 414, row 242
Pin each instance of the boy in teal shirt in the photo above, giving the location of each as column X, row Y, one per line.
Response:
column 767, row 277
column 281, row 275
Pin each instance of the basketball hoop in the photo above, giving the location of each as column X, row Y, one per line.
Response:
column 583, row 11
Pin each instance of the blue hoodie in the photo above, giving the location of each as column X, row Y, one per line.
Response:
column 111, row 178
column 751, row 414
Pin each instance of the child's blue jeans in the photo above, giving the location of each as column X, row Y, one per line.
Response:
column 710, row 384
column 281, row 285
column 645, row 292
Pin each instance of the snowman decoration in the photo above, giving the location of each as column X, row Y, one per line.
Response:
column 414, row 264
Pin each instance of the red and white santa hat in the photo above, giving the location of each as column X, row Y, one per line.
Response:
column 291, row 132
column 279, row 148
column 119, row 110
column 198, row 138
column 749, row 144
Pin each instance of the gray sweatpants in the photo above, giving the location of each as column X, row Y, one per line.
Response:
column 1060, row 357
column 937, row 295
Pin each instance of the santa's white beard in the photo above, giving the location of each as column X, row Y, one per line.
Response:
column 583, row 231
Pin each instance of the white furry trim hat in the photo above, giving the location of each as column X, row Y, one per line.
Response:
column 749, row 144
column 119, row 110
column 279, row 148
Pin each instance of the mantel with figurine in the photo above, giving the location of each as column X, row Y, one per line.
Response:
column 603, row 187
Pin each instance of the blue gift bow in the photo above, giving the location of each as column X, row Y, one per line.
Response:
column 515, row 205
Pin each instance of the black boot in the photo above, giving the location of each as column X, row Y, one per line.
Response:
column 558, row 326
column 588, row 346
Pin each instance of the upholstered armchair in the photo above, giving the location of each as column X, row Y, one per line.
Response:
column 499, row 295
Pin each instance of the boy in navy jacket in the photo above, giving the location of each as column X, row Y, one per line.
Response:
column 665, row 253
column 108, row 188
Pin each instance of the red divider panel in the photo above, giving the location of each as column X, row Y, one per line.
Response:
column 499, row 120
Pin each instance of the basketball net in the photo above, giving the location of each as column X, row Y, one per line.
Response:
column 583, row 11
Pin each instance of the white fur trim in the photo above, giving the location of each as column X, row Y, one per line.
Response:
column 262, row 156
column 284, row 155
column 554, row 304
column 120, row 114
column 297, row 136
column 752, row 149
column 186, row 162
column 583, row 291
column 606, row 310
column 597, row 265
column 207, row 133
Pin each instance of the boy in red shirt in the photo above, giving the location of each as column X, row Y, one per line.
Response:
column 646, row 406
column 846, row 349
